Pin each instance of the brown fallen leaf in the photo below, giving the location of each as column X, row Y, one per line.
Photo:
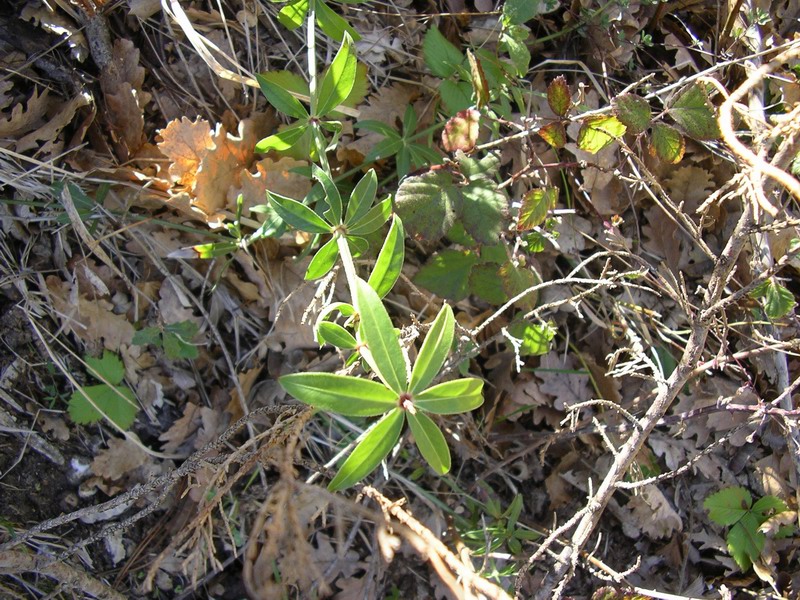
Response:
column 121, row 457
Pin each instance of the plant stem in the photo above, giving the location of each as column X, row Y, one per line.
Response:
column 349, row 265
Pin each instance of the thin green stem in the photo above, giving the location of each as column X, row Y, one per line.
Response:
column 347, row 261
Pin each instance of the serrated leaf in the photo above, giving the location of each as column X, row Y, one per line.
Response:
column 667, row 143
column 554, row 134
column 728, row 506
column 377, row 443
column 297, row 215
column 284, row 139
column 447, row 274
column 323, row 260
column 384, row 353
column 516, row 280
column 362, row 197
column 475, row 169
column 338, row 81
column 535, row 337
column 478, row 79
column 282, row 100
column 693, row 111
column 389, row 263
column 455, row 95
column 768, row 505
column 93, row 403
column 336, row 335
column 482, row 212
column 373, row 220
column 430, row 441
column 427, row 204
column 745, row 542
column 341, row 394
column 558, row 96
column 778, row 301
column 461, row 131
column 441, row 57
column 108, row 368
column 633, row 111
column 147, row 336
column 599, row 131
column 535, row 206
column 451, row 397
column 434, row 350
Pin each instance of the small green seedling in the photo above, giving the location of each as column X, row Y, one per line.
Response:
column 397, row 396
column 176, row 339
column 109, row 399
column 733, row 507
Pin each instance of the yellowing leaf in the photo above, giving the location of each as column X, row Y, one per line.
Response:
column 599, row 131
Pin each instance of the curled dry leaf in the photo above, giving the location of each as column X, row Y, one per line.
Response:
column 121, row 457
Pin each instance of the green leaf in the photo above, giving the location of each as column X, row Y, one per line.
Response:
column 667, row 143
column 633, row 111
column 178, row 340
column 767, row 506
column 373, row 220
column 323, row 260
column 434, row 350
column 477, row 77
column 338, row 81
column 535, row 337
column 284, row 139
column 483, row 284
column 441, row 57
column 282, row 100
column 377, row 443
column 515, row 280
column 517, row 12
column 333, row 24
column 389, row 263
column 358, row 245
column 558, row 96
column 535, row 206
column 297, row 215
column 342, row 394
column 336, row 335
column 427, row 204
column 778, row 301
column 430, row 441
column 147, row 336
column 447, row 274
column 456, row 96
column 362, row 197
column 383, row 352
column 451, row 397
column 745, row 541
column 482, row 211
column 728, row 506
column 293, row 14
column 599, row 131
column 693, row 111
column 385, row 148
column 92, row 403
column 518, row 53
column 332, row 196
column 108, row 369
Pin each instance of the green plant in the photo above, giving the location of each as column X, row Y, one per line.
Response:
column 109, row 399
column 175, row 339
column 502, row 529
column 398, row 396
column 733, row 507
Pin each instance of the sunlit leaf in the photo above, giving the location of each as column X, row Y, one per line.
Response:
column 336, row 335
column 284, row 139
column 430, row 441
column 323, row 260
column 558, row 96
column 599, row 131
column 341, row 394
column 554, row 134
column 434, row 350
column 451, row 397
column 667, row 143
column 362, row 197
column 478, row 79
column 535, row 205
column 377, row 443
column 441, row 57
column 282, row 100
column 461, row 131
column 332, row 196
column 333, row 24
column 338, row 81
column 389, row 263
column 293, row 14
column 297, row 215
column 373, row 220
column 693, row 111
column 633, row 111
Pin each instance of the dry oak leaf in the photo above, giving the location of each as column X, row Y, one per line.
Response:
column 185, row 432
column 185, row 143
column 91, row 320
column 49, row 131
column 689, row 187
column 121, row 457
column 24, row 119
column 273, row 175
column 651, row 514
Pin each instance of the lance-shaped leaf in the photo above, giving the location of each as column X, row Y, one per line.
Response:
column 349, row 396
column 293, row 14
column 282, row 100
column 430, row 441
column 323, row 260
column 384, row 353
column 362, row 197
column 336, row 335
column 283, row 140
column 390, row 260
column 434, row 350
column 372, row 221
column 371, row 450
column 331, row 194
column 297, row 215
column 332, row 24
column 338, row 80
column 451, row 397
